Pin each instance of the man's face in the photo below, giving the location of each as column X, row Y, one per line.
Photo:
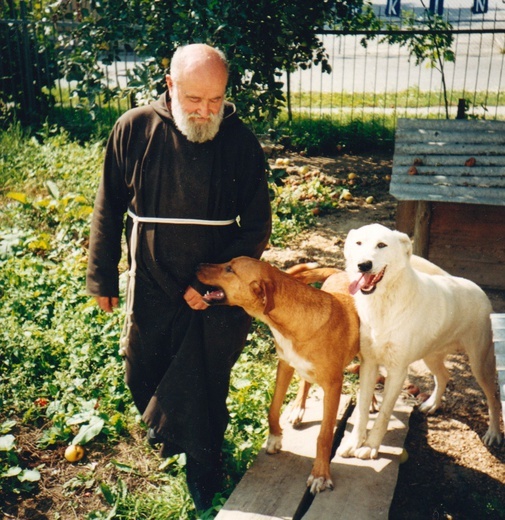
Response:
column 198, row 105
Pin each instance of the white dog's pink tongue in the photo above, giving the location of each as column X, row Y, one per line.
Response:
column 356, row 285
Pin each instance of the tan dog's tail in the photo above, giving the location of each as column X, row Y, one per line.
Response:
column 311, row 273
column 301, row 268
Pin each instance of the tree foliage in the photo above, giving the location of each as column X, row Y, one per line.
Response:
column 262, row 40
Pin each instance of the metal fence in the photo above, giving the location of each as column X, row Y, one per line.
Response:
column 383, row 80
column 375, row 80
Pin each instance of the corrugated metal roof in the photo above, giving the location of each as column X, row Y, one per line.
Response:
column 449, row 160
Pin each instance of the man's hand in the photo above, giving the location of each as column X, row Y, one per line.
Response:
column 107, row 303
column 194, row 299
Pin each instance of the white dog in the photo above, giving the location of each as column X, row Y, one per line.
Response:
column 409, row 313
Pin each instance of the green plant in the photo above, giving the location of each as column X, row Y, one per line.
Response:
column 13, row 477
column 328, row 136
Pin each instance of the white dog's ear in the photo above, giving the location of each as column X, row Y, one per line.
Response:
column 406, row 242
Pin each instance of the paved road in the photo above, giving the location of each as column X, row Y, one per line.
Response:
column 479, row 65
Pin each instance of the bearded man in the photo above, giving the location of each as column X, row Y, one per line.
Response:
column 192, row 180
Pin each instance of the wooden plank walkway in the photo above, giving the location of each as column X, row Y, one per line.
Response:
column 274, row 487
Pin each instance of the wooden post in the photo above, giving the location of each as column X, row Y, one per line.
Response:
column 422, row 229
column 405, row 216
column 461, row 109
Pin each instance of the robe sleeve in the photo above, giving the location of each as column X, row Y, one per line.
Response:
column 102, row 277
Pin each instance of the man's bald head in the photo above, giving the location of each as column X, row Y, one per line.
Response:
column 200, row 59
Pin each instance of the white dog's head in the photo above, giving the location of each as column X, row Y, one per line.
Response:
column 373, row 252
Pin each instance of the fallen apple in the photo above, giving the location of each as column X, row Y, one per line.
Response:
column 404, row 456
column 74, row 453
column 423, row 396
column 353, row 368
column 346, row 195
column 279, row 163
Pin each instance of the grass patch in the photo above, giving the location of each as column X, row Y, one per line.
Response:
column 409, row 98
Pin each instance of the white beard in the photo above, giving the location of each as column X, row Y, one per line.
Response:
column 196, row 132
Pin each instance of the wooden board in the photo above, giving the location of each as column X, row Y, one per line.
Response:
column 469, row 241
column 377, row 478
column 275, row 485
column 498, row 324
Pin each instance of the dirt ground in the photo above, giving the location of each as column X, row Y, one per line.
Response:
column 449, row 474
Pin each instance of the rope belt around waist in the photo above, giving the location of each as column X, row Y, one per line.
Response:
column 130, row 291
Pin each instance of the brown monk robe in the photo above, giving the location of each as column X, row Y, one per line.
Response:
column 178, row 360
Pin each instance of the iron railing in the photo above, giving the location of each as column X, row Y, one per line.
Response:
column 375, row 80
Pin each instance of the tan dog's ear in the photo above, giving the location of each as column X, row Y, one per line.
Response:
column 264, row 290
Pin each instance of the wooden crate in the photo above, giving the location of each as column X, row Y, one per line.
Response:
column 453, row 203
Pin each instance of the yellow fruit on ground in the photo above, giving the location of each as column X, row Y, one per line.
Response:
column 74, row 453
column 351, row 176
column 346, row 195
column 165, row 62
column 279, row 163
column 369, row 200
column 404, row 456
column 302, row 170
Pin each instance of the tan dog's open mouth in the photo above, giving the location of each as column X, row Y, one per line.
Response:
column 366, row 283
column 215, row 296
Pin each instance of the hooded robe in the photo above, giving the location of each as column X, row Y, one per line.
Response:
column 178, row 360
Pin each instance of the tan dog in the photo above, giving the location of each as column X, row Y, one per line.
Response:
column 316, row 333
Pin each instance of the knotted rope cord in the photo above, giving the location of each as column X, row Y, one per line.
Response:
column 130, row 290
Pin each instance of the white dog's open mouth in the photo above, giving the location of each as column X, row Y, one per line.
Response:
column 366, row 283
column 216, row 296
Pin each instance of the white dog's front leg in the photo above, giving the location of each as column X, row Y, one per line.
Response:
column 392, row 389
column 367, row 376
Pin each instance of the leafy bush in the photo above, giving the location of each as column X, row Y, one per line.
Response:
column 13, row 477
column 326, row 136
column 60, row 371
column 59, row 350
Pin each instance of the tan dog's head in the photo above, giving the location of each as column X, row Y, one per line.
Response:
column 243, row 281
